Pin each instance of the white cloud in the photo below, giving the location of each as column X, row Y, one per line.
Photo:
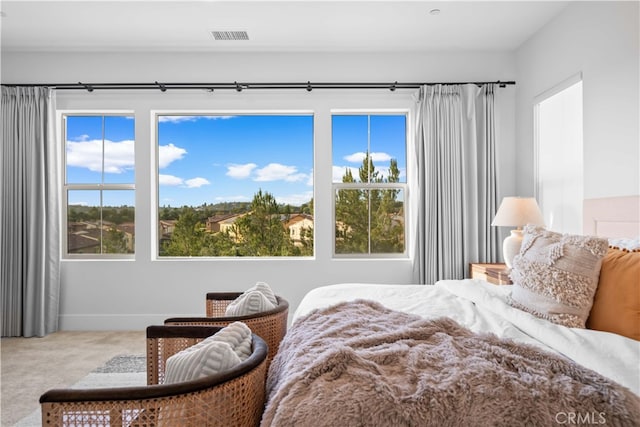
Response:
column 339, row 171
column 180, row 119
column 196, row 182
column 167, row 154
column 240, row 171
column 359, row 157
column 295, row 199
column 118, row 156
column 279, row 172
column 169, row 180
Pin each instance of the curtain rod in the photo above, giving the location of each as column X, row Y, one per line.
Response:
column 239, row 86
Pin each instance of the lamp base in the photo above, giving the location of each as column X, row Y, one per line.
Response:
column 511, row 246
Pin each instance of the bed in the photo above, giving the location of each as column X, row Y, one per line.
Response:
column 464, row 352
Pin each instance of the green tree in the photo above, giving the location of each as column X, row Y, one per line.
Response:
column 189, row 237
column 115, row 241
column 262, row 232
column 369, row 219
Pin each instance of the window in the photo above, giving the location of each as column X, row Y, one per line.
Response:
column 559, row 151
column 235, row 185
column 99, row 183
column 369, row 182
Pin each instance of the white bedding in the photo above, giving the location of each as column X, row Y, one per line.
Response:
column 482, row 307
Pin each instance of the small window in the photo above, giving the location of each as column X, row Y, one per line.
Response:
column 99, row 184
column 369, row 181
column 235, row 185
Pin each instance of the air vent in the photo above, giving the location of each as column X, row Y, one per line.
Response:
column 230, row 35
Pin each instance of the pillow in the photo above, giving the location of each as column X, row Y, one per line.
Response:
column 616, row 306
column 217, row 353
column 625, row 243
column 249, row 303
column 266, row 291
column 555, row 275
column 258, row 298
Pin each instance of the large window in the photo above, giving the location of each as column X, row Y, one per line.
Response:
column 235, row 185
column 369, row 182
column 99, row 184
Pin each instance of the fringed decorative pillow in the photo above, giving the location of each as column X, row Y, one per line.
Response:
column 555, row 275
column 217, row 353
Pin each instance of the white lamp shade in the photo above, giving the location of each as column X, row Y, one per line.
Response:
column 517, row 212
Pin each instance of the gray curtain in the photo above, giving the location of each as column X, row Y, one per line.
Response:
column 29, row 218
column 456, row 181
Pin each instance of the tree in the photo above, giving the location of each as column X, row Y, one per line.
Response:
column 367, row 219
column 262, row 232
column 115, row 241
column 189, row 237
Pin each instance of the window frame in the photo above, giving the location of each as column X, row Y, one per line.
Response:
column 66, row 187
column 155, row 184
column 404, row 186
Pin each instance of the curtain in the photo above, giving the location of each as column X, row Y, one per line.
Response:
column 29, row 218
column 456, row 181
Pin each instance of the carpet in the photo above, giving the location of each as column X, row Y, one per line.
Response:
column 120, row 371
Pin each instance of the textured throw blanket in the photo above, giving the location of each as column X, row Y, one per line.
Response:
column 360, row 364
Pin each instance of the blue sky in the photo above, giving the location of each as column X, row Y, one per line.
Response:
column 211, row 159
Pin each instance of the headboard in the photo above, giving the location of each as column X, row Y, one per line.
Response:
column 612, row 217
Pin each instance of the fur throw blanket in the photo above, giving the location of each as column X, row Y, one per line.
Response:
column 361, row 364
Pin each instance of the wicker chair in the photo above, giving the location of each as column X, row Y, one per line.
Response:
column 232, row 398
column 270, row 325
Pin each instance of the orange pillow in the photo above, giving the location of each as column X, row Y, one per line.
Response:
column 616, row 306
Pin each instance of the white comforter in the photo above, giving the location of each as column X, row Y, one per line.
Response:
column 482, row 307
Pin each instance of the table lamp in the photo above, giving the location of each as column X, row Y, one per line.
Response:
column 516, row 212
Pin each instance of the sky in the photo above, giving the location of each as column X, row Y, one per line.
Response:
column 214, row 158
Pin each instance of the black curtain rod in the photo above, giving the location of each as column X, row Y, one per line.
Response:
column 239, row 86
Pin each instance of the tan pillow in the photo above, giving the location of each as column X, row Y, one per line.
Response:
column 616, row 306
column 555, row 275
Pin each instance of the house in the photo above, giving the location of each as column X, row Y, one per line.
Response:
column 539, row 45
column 298, row 225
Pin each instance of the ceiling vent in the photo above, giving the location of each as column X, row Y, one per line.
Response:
column 230, row 35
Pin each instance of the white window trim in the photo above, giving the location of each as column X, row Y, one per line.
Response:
column 155, row 197
column 335, row 186
column 65, row 187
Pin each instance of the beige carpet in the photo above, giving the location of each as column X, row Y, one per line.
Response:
column 31, row 366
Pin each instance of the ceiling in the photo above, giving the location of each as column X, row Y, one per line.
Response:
column 274, row 26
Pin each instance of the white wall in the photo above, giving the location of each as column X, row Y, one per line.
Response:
column 134, row 294
column 601, row 40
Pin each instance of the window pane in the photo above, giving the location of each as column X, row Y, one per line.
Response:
column 84, row 222
column 352, row 222
column 369, row 221
column 94, row 227
column 388, row 147
column 350, row 143
column 235, row 185
column 119, row 156
column 387, row 221
column 118, row 221
column 83, row 146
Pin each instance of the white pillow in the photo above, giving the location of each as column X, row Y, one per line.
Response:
column 249, row 303
column 266, row 291
column 238, row 336
column 206, row 360
column 217, row 353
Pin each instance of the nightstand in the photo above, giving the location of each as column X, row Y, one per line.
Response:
column 498, row 274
